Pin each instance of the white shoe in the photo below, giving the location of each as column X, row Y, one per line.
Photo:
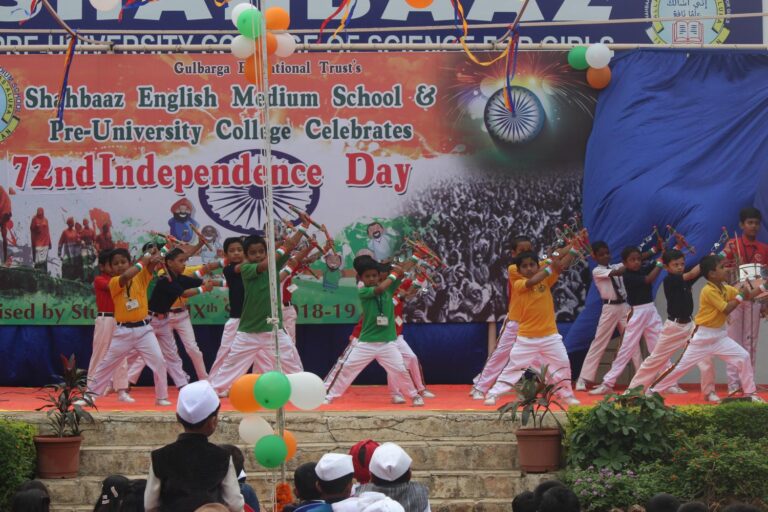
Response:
column 327, row 400
column 223, row 394
column 427, row 394
column 581, row 385
column 712, row 397
column 676, row 390
column 163, row 402
column 733, row 391
column 572, row 401
column 398, row 399
column 602, row 389
column 417, row 401
column 123, row 396
column 490, row 400
column 756, row 398
column 476, row 394
column 82, row 403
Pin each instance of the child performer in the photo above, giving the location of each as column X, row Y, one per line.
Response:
column 643, row 321
column 610, row 286
column 378, row 332
column 128, row 288
column 538, row 339
column 233, row 248
column 716, row 302
column 677, row 329
column 744, row 322
column 104, row 326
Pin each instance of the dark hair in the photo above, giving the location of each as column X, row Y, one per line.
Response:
column 662, row 502
column 233, row 240
column 385, row 267
column 527, row 255
column 559, row 499
column 524, row 502
column 238, row 459
column 693, row 506
column 33, row 484
column 305, row 480
column 253, row 240
column 708, row 264
column 402, row 479
column 671, row 255
column 334, row 487
column 199, row 424
column 741, row 507
column 113, row 490
column 750, row 212
column 31, row 500
column 599, row 244
column 147, row 246
column 629, row 251
column 134, row 498
column 520, row 239
column 543, row 487
column 173, row 254
column 119, row 252
column 364, row 263
column 105, row 257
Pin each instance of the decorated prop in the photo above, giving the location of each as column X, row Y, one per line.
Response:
column 272, row 390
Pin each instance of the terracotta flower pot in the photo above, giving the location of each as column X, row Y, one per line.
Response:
column 58, row 457
column 539, row 449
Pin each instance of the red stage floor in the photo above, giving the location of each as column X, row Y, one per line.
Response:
column 358, row 398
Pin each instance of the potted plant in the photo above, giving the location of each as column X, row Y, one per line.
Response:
column 58, row 454
column 538, row 447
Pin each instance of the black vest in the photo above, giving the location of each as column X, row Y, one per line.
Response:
column 191, row 471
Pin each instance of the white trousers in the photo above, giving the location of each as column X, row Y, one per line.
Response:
column 612, row 317
column 704, row 345
column 674, row 336
column 499, row 358
column 644, row 321
column 547, row 350
column 361, row 355
column 227, row 338
column 164, row 335
column 744, row 329
column 126, row 341
column 289, row 321
column 257, row 349
column 411, row 364
column 330, row 379
column 103, row 328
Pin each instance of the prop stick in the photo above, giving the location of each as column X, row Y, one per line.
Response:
column 200, row 236
column 680, row 240
column 646, row 240
column 738, row 249
column 718, row 247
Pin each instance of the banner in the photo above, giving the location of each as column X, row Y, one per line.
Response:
column 375, row 146
column 206, row 16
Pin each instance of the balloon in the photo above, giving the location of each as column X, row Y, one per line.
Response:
column 253, row 74
column 599, row 78
column 270, row 451
column 291, row 443
column 271, row 43
column 105, row 5
column 249, row 23
column 272, row 390
column 286, row 45
column 241, row 394
column 598, row 55
column 577, row 58
column 242, row 47
column 253, row 427
column 277, row 18
column 238, row 10
column 307, row 390
column 419, row 4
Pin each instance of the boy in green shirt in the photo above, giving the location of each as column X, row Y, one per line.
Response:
column 378, row 333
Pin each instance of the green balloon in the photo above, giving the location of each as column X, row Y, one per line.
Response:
column 272, row 390
column 249, row 23
column 270, row 451
column 577, row 58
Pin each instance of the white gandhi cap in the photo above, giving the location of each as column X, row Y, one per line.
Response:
column 389, row 462
column 332, row 466
column 197, row 401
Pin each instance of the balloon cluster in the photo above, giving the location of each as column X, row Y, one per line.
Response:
column 272, row 390
column 595, row 59
column 248, row 19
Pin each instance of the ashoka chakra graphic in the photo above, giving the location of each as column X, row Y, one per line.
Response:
column 523, row 125
column 243, row 209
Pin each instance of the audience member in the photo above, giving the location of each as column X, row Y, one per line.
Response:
column 305, row 489
column 693, row 506
column 113, row 490
column 361, row 458
column 543, row 487
column 134, row 498
column 334, row 477
column 559, row 499
column 30, row 500
column 34, row 484
column 390, row 469
column 662, row 502
column 249, row 495
column 524, row 502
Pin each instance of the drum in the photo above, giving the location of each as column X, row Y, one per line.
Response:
column 750, row 271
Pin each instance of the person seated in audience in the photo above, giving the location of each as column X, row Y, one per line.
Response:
column 662, row 502
column 305, row 489
column 693, row 506
column 390, row 469
column 361, row 458
column 559, row 499
column 334, row 478
column 31, row 500
column 249, row 495
column 113, row 490
column 543, row 487
column 134, row 498
column 524, row 502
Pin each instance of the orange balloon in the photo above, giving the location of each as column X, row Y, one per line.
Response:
column 291, row 443
column 271, row 43
column 277, row 18
column 241, row 394
column 253, row 67
column 419, row 4
column 599, row 78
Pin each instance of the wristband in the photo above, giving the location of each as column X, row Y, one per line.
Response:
column 740, row 297
column 200, row 273
column 659, row 264
column 722, row 255
column 139, row 266
column 547, row 270
column 281, row 251
column 288, row 269
column 200, row 290
column 302, row 230
column 392, row 277
column 548, row 261
column 573, row 252
column 222, row 262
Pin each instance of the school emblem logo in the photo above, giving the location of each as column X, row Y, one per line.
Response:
column 710, row 31
column 10, row 105
column 13, row 11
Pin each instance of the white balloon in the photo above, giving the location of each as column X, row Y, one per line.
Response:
column 254, row 427
column 307, row 390
column 242, row 47
column 286, row 45
column 598, row 55
column 239, row 9
column 105, row 5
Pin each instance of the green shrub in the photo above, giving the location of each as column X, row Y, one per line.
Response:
column 17, row 457
column 732, row 419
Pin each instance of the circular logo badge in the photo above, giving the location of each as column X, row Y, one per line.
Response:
column 710, row 31
column 10, row 105
column 517, row 126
